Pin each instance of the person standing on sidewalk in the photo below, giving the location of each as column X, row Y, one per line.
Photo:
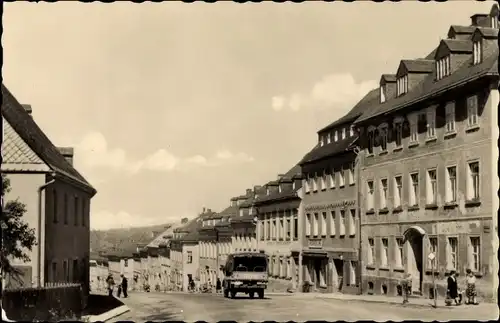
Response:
column 452, row 290
column 111, row 282
column 124, row 285
column 406, row 286
column 471, row 292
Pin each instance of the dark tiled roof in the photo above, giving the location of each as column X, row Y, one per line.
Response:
column 355, row 112
column 388, row 77
column 418, row 65
column 285, row 194
column 488, row 32
column 458, row 46
column 192, row 230
column 328, row 150
column 35, row 138
column 461, row 29
column 430, row 86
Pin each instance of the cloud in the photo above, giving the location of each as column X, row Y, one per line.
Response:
column 332, row 91
column 104, row 220
column 93, row 152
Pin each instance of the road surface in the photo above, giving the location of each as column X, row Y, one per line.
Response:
column 213, row 308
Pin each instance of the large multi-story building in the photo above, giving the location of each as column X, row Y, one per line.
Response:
column 277, row 206
column 208, row 246
column 243, row 223
column 56, row 195
column 330, row 200
column 429, row 175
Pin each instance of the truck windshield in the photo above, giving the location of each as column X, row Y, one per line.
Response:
column 249, row 263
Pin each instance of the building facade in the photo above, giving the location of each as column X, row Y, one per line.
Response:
column 277, row 205
column 429, row 166
column 56, row 196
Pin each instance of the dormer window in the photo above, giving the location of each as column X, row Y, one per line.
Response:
column 335, row 136
column 267, row 191
column 343, row 133
column 402, row 84
column 351, row 131
column 279, row 189
column 321, row 141
column 477, row 52
column 293, row 185
column 494, row 22
column 371, row 141
column 328, row 138
column 443, row 67
column 382, row 94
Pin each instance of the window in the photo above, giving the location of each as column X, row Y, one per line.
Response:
column 274, row 229
column 54, row 272
column 66, row 270
column 84, row 209
column 370, row 188
column 382, row 133
column 413, row 129
column 328, row 138
column 344, row 131
column 279, row 188
column 472, row 114
column 125, row 263
column 323, row 182
column 75, row 210
column 352, row 223
column 474, row 254
column 414, row 191
column 383, row 193
column 473, row 181
column 56, row 208
column 321, row 141
column 398, row 257
column 332, row 223
column 371, row 141
column 431, row 186
column 189, row 257
column 398, row 190
column 450, row 117
column 342, row 223
column 402, row 85
column 315, row 184
column 335, row 136
column 494, row 22
column 351, row 173
column 443, row 67
column 384, row 261
column 267, row 191
column 451, row 184
column 316, row 224
column 268, row 228
column 371, row 251
column 294, row 186
column 308, row 224
column 282, row 228
column 323, row 224
column 431, row 122
column 477, row 52
column 288, row 228
column 66, row 208
column 307, row 187
column 351, row 131
column 452, row 248
column 382, row 94
column 295, row 227
column 433, row 248
column 398, row 130
column 341, row 177
column 331, row 178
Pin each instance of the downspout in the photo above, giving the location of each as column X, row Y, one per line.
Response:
column 358, row 208
column 39, row 235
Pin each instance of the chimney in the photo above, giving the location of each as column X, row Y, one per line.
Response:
column 280, row 176
column 184, row 220
column 67, row 153
column 209, row 210
column 204, row 210
column 480, row 20
column 27, row 108
column 249, row 191
column 256, row 188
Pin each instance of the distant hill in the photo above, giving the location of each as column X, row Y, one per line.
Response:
column 123, row 241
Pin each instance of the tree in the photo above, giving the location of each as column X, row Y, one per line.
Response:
column 17, row 236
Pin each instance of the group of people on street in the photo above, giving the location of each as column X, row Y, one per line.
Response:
column 122, row 287
column 453, row 293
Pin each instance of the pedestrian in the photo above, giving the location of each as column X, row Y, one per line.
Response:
column 119, row 291
column 218, row 285
column 471, row 292
column 406, row 286
column 124, row 285
column 111, row 282
column 452, row 289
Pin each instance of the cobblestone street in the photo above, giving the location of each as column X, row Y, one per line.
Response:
column 212, row 308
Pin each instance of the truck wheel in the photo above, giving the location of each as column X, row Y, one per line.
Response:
column 261, row 293
column 226, row 293
column 233, row 293
column 251, row 294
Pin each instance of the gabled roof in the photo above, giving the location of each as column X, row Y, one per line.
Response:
column 388, row 78
column 328, row 150
column 416, row 65
column 488, row 33
column 26, row 127
column 191, row 230
column 457, row 30
column 430, row 86
column 457, row 45
column 354, row 112
column 164, row 237
column 285, row 193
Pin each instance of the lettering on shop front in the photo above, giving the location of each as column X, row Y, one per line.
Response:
column 454, row 227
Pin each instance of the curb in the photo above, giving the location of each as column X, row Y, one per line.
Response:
column 108, row 315
column 415, row 305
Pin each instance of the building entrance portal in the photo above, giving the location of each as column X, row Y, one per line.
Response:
column 338, row 267
column 414, row 240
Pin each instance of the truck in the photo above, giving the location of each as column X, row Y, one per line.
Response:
column 245, row 272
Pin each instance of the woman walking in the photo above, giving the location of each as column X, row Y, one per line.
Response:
column 471, row 292
column 452, row 290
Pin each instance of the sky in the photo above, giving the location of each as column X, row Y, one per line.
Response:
column 172, row 107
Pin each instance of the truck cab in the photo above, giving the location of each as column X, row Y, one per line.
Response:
column 245, row 272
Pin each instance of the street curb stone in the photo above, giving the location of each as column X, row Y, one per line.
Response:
column 107, row 315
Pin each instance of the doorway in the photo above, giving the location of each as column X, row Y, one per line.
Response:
column 414, row 238
column 339, row 268
column 317, row 272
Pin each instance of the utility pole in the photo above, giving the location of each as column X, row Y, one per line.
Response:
column 216, row 253
column 432, row 258
column 357, row 165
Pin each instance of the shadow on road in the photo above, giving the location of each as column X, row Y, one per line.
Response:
column 159, row 317
column 98, row 304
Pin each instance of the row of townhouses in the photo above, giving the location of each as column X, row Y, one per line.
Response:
column 56, row 196
column 405, row 182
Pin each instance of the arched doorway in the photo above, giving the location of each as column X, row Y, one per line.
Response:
column 414, row 241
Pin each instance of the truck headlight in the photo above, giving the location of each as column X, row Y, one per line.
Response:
column 237, row 283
